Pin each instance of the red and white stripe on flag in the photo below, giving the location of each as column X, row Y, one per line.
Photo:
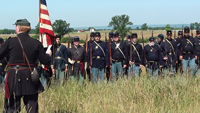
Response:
column 46, row 30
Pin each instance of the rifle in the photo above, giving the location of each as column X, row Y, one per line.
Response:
column 68, row 45
column 53, row 42
column 143, row 48
column 110, row 55
column 175, row 32
column 85, row 63
column 191, row 33
column 91, row 60
column 152, row 33
column 182, row 48
column 131, row 55
column 86, row 44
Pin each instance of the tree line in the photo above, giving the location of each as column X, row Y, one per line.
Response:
column 120, row 23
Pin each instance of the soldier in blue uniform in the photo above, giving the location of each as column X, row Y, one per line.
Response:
column 153, row 57
column 76, row 60
column 159, row 39
column 61, row 60
column 118, row 52
column 197, row 51
column 168, row 51
column 99, row 58
column 178, row 40
column 135, row 60
column 186, row 50
column 3, row 64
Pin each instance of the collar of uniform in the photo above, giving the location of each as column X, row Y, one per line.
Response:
column 98, row 41
column 57, row 45
column 76, row 46
column 186, row 37
column 169, row 39
column 134, row 43
column 23, row 34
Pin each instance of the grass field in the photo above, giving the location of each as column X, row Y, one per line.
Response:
column 82, row 35
column 144, row 94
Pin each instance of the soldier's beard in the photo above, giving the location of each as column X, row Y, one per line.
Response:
column 151, row 43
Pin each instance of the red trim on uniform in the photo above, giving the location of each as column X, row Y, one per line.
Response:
column 82, row 69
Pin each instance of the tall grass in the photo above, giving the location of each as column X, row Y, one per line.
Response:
column 144, row 94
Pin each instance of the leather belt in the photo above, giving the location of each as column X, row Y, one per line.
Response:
column 97, row 57
column 19, row 67
column 187, row 52
column 117, row 60
column 58, row 57
column 77, row 61
column 152, row 61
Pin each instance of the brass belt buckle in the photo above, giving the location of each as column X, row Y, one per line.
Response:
column 0, row 64
column 170, row 53
column 98, row 57
column 58, row 57
column 189, row 52
column 78, row 61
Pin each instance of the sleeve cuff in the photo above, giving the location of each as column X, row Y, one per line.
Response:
column 52, row 66
column 66, row 65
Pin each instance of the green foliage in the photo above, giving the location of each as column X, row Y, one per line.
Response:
column 139, row 40
column 37, row 28
column 119, row 23
column 197, row 25
column 7, row 31
column 137, row 28
column 144, row 26
column 66, row 39
column 62, row 27
column 36, row 36
column 168, row 27
column 192, row 26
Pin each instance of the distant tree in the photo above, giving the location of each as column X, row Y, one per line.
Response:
column 37, row 28
column 197, row 25
column 144, row 26
column 192, row 26
column 61, row 27
column 137, row 28
column 168, row 27
column 119, row 24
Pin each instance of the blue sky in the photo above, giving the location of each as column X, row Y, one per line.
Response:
column 85, row 13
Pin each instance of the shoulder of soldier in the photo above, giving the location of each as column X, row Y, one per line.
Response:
column 103, row 43
column 146, row 46
column 63, row 46
column 139, row 44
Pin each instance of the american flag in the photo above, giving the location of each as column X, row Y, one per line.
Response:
column 46, row 30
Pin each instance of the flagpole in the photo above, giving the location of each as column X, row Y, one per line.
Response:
column 39, row 9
